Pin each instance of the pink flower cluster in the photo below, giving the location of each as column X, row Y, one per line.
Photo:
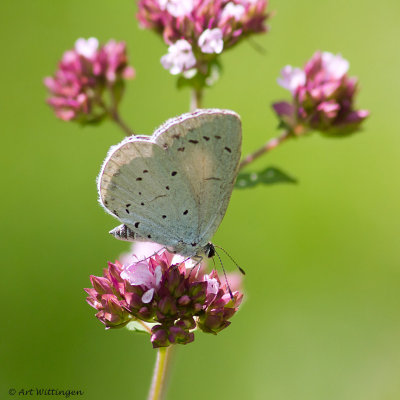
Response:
column 169, row 299
column 198, row 30
column 84, row 72
column 322, row 97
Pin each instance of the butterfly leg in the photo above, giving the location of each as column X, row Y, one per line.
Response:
column 198, row 260
column 152, row 255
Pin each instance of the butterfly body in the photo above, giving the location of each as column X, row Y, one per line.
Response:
column 173, row 187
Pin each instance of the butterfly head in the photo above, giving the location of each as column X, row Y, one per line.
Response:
column 209, row 250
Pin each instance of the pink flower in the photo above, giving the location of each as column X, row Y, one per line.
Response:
column 84, row 73
column 292, row 78
column 87, row 48
column 335, row 66
column 232, row 10
column 209, row 27
column 210, row 41
column 180, row 57
column 322, row 97
column 166, row 297
column 177, row 8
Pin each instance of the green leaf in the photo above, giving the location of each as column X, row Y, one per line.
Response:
column 268, row 176
column 135, row 326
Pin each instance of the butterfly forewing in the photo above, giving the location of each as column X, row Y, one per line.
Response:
column 206, row 146
column 173, row 188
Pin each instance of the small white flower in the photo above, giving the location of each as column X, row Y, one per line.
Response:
column 212, row 284
column 87, row 48
column 292, row 78
column 233, row 10
column 177, row 259
column 335, row 65
column 246, row 2
column 140, row 274
column 148, row 296
column 177, row 8
column 210, row 41
column 180, row 57
column 190, row 73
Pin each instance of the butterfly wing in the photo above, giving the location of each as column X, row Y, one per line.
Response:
column 173, row 188
column 207, row 144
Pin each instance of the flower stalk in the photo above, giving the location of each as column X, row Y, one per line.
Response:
column 196, row 99
column 268, row 146
column 160, row 375
column 114, row 115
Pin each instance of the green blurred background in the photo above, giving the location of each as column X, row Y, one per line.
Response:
column 321, row 319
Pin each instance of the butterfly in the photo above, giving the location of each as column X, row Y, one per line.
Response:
column 173, row 188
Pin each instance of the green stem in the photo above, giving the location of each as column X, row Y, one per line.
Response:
column 268, row 146
column 160, row 375
column 118, row 120
column 113, row 111
column 114, row 115
column 196, row 99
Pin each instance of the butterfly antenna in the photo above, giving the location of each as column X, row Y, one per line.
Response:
column 237, row 265
column 226, row 279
